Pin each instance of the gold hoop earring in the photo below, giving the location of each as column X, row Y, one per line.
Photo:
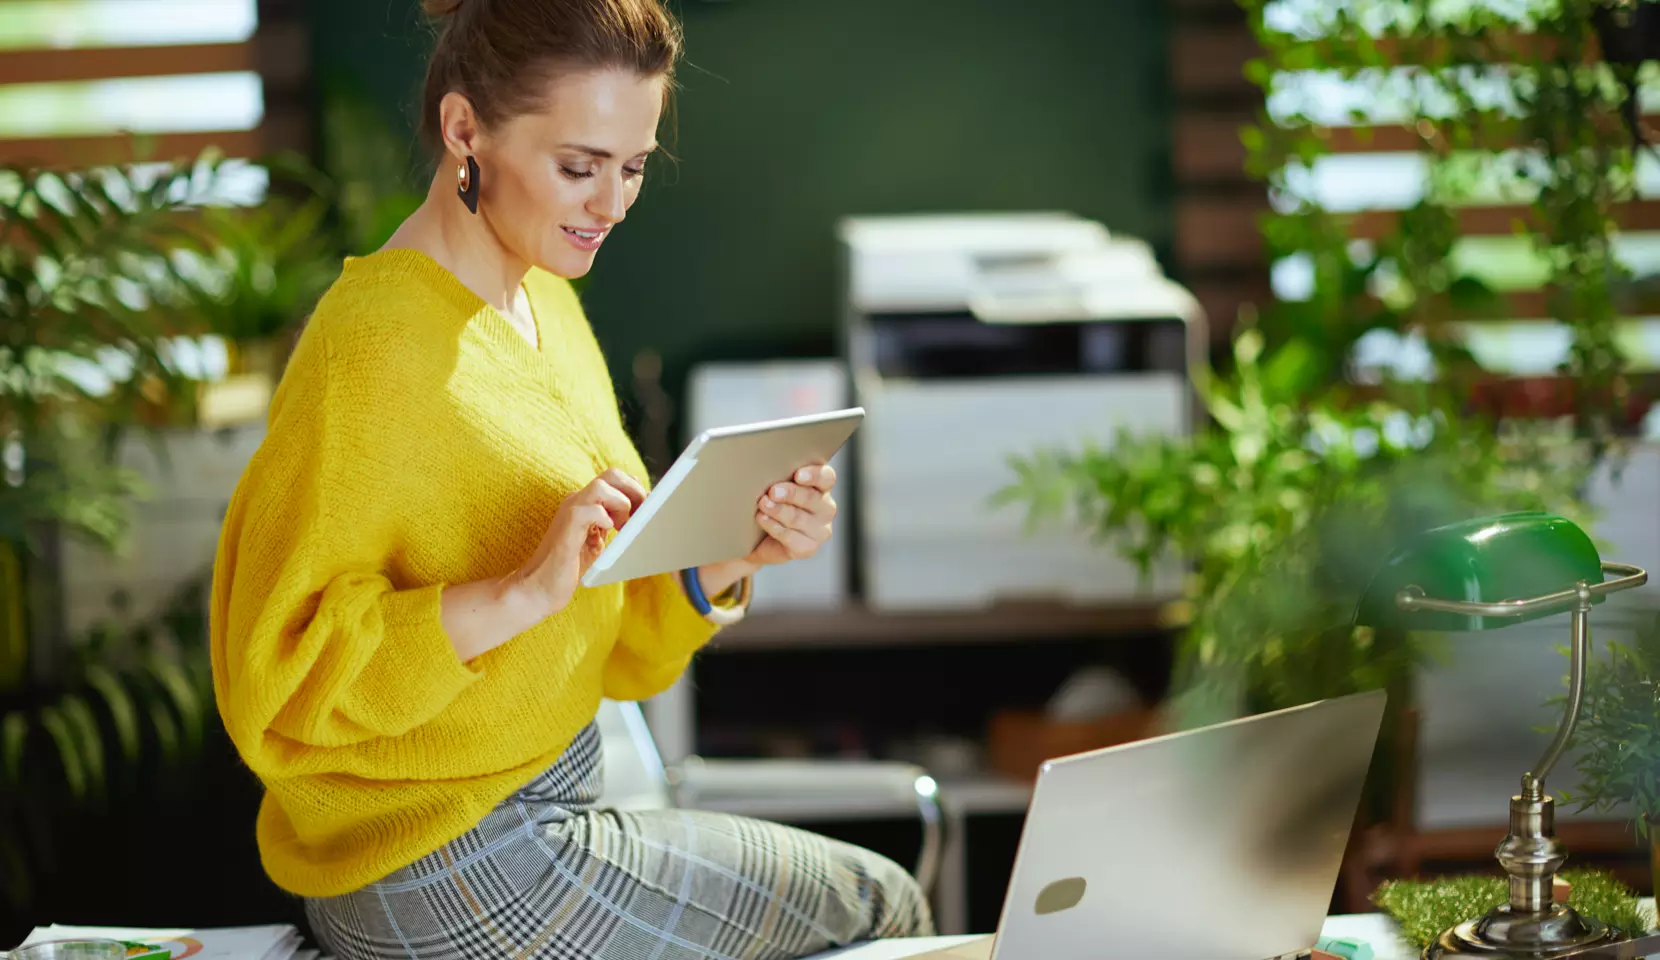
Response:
column 466, row 183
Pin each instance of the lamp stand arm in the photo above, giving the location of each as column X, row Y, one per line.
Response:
column 1531, row 854
column 1533, row 783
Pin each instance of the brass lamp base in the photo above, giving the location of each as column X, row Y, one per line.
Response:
column 1531, row 926
column 1505, row 935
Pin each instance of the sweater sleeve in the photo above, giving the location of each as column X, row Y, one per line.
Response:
column 660, row 632
column 313, row 643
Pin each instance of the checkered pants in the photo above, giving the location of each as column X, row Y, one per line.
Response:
column 547, row 875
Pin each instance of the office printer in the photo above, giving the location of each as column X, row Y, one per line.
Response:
column 974, row 338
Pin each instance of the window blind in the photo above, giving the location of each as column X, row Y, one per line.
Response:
column 80, row 79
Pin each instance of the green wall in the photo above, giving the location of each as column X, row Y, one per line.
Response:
column 372, row 49
column 796, row 112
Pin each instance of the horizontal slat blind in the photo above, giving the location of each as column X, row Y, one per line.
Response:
column 79, row 79
column 1218, row 250
column 1376, row 169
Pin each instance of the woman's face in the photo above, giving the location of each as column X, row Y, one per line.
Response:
column 555, row 182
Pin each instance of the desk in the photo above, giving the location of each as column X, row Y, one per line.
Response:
column 1374, row 928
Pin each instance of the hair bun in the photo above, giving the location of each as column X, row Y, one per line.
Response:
column 440, row 8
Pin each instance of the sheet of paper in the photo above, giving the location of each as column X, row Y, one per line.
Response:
column 274, row 942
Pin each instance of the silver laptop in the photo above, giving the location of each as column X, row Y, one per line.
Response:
column 1220, row 843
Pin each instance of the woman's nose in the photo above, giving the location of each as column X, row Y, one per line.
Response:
column 607, row 201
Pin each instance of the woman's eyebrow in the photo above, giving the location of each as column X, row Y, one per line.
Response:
column 596, row 152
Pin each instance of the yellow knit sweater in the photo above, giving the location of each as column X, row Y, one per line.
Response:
column 417, row 440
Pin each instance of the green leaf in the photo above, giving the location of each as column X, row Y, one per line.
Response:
column 1226, row 413
column 186, row 704
column 1293, row 370
column 166, row 730
column 123, row 715
column 90, row 743
column 62, row 733
column 45, row 241
column 1467, row 293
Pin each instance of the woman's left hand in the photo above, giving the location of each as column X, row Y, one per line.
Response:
column 796, row 515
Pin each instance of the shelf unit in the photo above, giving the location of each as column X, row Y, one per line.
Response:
column 673, row 716
column 860, row 626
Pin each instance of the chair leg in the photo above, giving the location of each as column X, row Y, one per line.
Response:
column 928, row 860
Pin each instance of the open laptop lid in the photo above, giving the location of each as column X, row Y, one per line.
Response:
column 1220, row 843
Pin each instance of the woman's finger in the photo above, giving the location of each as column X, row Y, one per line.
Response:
column 812, row 502
column 614, row 501
column 807, row 498
column 631, row 488
column 820, row 476
column 796, row 543
column 590, row 523
column 794, row 517
column 593, row 522
column 596, row 515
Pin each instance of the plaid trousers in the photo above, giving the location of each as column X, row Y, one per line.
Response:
column 547, row 874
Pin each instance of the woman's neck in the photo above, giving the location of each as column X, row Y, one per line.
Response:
column 464, row 244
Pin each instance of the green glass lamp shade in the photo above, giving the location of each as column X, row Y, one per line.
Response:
column 1513, row 556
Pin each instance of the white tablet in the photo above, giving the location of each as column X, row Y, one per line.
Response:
column 703, row 510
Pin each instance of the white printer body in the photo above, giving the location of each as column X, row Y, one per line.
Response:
column 972, row 339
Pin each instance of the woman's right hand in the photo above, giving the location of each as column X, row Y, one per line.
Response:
column 576, row 537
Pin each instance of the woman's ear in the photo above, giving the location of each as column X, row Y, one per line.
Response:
column 458, row 125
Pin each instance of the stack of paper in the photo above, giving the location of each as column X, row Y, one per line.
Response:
column 275, row 942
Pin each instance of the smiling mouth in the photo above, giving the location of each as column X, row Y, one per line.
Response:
column 588, row 236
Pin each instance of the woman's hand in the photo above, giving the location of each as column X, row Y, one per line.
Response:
column 797, row 515
column 576, row 537
column 484, row 614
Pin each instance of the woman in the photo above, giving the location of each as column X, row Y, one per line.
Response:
column 401, row 650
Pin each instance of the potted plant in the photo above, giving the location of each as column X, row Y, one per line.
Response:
column 89, row 310
column 1618, row 750
column 1283, row 504
column 253, row 272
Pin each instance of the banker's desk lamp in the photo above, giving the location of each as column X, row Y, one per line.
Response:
column 1486, row 574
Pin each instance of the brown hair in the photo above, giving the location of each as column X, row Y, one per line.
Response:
column 500, row 54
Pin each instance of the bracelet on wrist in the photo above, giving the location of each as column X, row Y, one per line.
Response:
column 723, row 614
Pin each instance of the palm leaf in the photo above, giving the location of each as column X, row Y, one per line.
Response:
column 84, row 724
column 58, row 727
column 187, row 705
column 123, row 715
column 105, row 220
column 166, row 729
column 58, row 201
column 44, row 241
column 93, row 187
column 77, row 246
column 156, row 194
